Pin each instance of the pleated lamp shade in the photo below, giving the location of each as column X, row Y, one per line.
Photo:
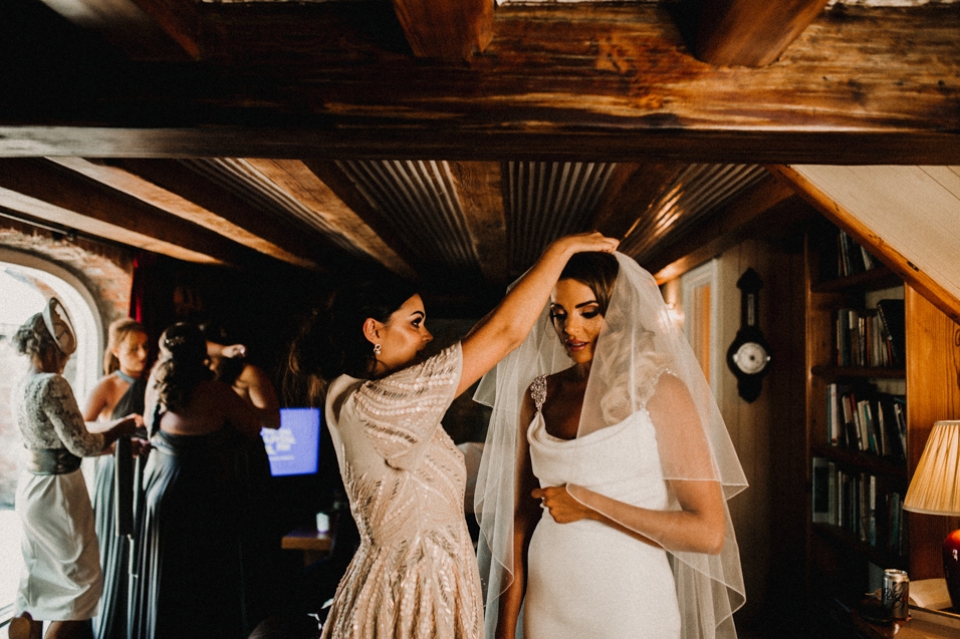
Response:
column 935, row 488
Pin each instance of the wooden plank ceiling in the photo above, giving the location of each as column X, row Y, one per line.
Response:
column 446, row 141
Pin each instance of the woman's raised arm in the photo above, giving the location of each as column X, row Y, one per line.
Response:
column 507, row 325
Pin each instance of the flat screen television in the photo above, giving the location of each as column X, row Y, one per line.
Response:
column 294, row 448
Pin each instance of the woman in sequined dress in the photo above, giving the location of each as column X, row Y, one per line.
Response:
column 415, row 573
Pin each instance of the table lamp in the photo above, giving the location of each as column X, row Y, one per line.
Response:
column 935, row 490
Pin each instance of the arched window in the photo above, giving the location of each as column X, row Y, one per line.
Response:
column 26, row 281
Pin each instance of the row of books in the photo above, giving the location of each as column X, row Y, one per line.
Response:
column 871, row 337
column 857, row 503
column 851, row 257
column 860, row 418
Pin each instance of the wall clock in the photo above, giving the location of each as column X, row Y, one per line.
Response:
column 749, row 354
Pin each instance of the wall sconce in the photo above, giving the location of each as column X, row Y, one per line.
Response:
column 935, row 490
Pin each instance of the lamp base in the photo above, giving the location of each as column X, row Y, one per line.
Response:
column 951, row 566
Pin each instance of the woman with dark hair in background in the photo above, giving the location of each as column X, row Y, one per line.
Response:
column 262, row 527
column 61, row 578
column 191, row 569
column 120, row 393
column 230, row 366
column 415, row 573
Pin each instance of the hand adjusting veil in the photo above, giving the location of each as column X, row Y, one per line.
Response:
column 637, row 344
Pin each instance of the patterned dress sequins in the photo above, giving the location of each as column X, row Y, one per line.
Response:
column 415, row 573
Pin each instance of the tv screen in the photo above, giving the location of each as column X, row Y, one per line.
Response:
column 294, row 448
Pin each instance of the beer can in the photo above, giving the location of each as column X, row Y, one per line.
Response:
column 896, row 593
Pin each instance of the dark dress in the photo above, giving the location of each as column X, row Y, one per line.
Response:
column 190, row 563
column 114, row 549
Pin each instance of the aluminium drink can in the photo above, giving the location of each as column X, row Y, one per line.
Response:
column 896, row 593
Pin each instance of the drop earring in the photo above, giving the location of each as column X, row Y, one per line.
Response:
column 376, row 349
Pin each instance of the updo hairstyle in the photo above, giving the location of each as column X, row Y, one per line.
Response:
column 182, row 365
column 117, row 334
column 33, row 338
column 331, row 341
column 596, row 270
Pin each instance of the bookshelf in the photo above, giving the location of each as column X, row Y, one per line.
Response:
column 856, row 417
column 843, row 563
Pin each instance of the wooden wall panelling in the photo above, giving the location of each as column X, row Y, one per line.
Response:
column 933, row 393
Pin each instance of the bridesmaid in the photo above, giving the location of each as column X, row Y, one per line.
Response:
column 415, row 574
column 120, row 393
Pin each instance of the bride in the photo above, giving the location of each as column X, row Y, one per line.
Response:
column 605, row 516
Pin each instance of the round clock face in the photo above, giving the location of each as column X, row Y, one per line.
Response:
column 751, row 358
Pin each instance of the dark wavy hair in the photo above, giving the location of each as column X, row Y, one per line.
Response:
column 227, row 369
column 182, row 365
column 331, row 343
column 33, row 338
column 596, row 270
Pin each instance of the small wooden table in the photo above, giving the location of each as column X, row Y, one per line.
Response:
column 923, row 624
column 314, row 545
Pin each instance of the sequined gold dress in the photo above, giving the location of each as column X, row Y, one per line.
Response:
column 415, row 573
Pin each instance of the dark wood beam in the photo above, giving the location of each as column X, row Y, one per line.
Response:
column 480, row 189
column 630, row 192
column 600, row 83
column 142, row 29
column 341, row 186
column 240, row 224
column 446, row 29
column 303, row 185
column 49, row 192
column 769, row 201
column 751, row 33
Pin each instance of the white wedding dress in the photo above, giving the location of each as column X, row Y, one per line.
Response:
column 587, row 579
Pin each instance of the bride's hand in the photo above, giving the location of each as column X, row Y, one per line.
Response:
column 563, row 508
column 582, row 242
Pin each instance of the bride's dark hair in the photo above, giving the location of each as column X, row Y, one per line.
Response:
column 596, row 270
column 331, row 340
column 182, row 365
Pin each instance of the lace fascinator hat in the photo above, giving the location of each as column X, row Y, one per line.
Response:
column 58, row 324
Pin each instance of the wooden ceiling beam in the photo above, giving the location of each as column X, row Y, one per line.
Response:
column 480, row 190
column 772, row 198
column 49, row 192
column 597, row 83
column 340, row 184
column 142, row 29
column 630, row 192
column 751, row 33
column 229, row 216
column 446, row 29
column 303, row 185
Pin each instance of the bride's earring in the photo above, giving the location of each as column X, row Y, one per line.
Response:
column 376, row 349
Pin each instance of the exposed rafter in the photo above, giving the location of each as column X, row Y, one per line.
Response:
column 49, row 192
column 170, row 187
column 448, row 29
column 604, row 83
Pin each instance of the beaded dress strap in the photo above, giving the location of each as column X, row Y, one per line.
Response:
column 538, row 391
